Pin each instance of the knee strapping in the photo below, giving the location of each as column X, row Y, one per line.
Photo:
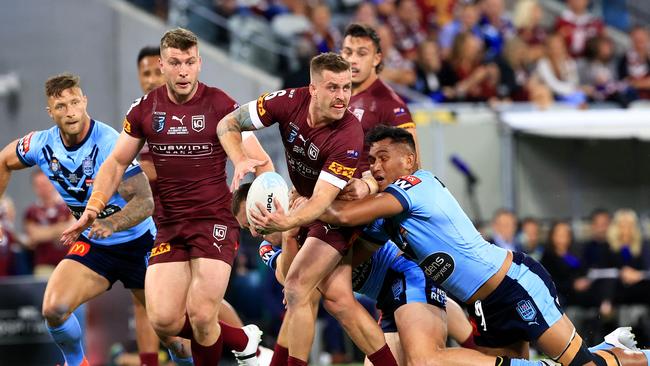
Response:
column 600, row 358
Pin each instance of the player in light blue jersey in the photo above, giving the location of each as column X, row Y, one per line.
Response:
column 514, row 298
column 116, row 247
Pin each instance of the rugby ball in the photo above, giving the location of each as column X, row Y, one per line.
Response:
column 264, row 189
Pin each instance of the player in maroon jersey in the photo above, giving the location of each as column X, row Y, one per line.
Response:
column 197, row 235
column 373, row 102
column 322, row 141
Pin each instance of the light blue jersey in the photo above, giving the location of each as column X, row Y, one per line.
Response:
column 72, row 171
column 368, row 277
column 438, row 235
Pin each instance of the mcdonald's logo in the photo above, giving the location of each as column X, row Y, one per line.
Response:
column 79, row 248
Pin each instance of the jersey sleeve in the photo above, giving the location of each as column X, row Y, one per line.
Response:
column 398, row 114
column 343, row 159
column 375, row 233
column 29, row 146
column 134, row 119
column 408, row 190
column 268, row 108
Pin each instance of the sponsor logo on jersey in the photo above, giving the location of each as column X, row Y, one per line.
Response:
column 352, row 154
column 299, row 150
column 340, row 169
column 23, row 143
column 179, row 119
column 79, row 248
column 407, row 182
column 126, row 125
column 188, row 149
column 160, row 249
column 313, row 151
column 219, row 232
column 526, row 310
column 302, row 168
column 198, row 123
column 260, row 105
column 358, row 112
column 158, row 121
column 438, row 267
column 88, row 166
column 399, row 111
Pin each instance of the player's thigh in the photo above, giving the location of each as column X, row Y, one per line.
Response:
column 71, row 285
column 315, row 260
column 458, row 326
column 393, row 341
column 422, row 329
column 208, row 285
column 166, row 286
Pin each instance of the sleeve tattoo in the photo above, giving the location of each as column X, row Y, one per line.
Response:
column 236, row 121
column 137, row 192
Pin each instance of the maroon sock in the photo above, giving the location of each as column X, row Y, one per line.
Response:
column 383, row 357
column 469, row 342
column 186, row 332
column 292, row 361
column 233, row 338
column 280, row 356
column 207, row 355
column 148, row 359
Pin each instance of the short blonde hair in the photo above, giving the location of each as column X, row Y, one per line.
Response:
column 179, row 38
column 614, row 234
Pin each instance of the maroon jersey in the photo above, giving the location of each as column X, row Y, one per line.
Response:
column 577, row 30
column 51, row 252
column 379, row 105
column 330, row 152
column 190, row 162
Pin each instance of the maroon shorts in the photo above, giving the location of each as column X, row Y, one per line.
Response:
column 195, row 239
column 338, row 237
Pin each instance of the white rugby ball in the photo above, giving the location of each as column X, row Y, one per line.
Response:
column 264, row 189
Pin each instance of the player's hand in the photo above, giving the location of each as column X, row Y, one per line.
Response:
column 72, row 233
column 242, row 168
column 101, row 229
column 265, row 222
column 355, row 189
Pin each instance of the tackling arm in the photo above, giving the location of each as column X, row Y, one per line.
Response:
column 363, row 211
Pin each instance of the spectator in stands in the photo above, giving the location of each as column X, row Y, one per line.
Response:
column 427, row 69
column 406, row 26
column 596, row 248
column 567, row 270
column 397, row 69
column 515, row 68
column 496, row 27
column 436, row 13
column 292, row 20
column 560, row 72
column 527, row 20
column 600, row 73
column 577, row 26
column 385, row 8
column 44, row 221
column 634, row 66
column 366, row 14
column 504, row 228
column 464, row 76
column 631, row 256
column 7, row 237
column 466, row 20
column 324, row 36
column 530, row 238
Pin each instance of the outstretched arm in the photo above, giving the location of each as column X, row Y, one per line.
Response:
column 229, row 132
column 106, row 182
column 137, row 192
column 363, row 211
column 254, row 150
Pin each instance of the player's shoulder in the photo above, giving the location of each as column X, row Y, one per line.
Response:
column 102, row 129
column 350, row 122
column 216, row 95
column 420, row 178
column 386, row 94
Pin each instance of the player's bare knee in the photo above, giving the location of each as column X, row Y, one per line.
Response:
column 295, row 293
column 165, row 324
column 55, row 313
column 339, row 308
column 202, row 319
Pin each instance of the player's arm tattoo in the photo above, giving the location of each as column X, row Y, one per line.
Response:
column 236, row 121
column 137, row 192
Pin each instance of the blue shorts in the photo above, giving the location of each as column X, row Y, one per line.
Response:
column 521, row 308
column 406, row 287
column 124, row 262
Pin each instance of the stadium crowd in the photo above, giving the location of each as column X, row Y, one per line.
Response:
column 449, row 51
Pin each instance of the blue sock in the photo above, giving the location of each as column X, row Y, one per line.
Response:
column 522, row 362
column 269, row 254
column 646, row 352
column 68, row 337
column 600, row 347
column 180, row 361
